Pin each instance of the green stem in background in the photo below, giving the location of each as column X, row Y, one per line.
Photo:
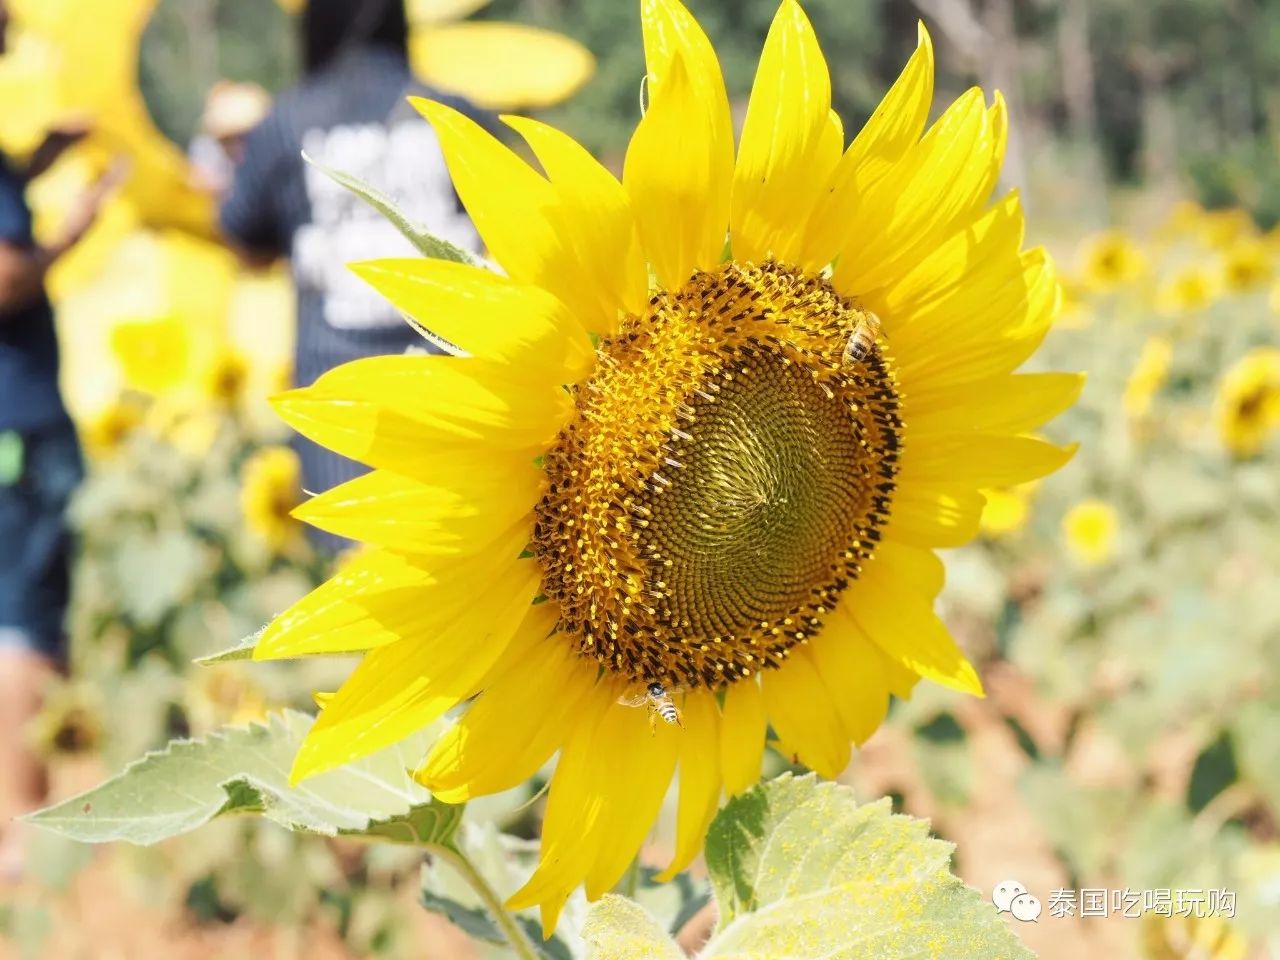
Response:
column 516, row 937
column 630, row 881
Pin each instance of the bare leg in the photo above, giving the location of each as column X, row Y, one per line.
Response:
column 23, row 782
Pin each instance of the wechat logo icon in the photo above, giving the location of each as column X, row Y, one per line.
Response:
column 1010, row 896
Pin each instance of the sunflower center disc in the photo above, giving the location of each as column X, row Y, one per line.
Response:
column 726, row 475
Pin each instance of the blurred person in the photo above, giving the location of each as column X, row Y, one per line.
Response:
column 231, row 110
column 350, row 114
column 40, row 466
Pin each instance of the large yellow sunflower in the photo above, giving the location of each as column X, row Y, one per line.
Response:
column 664, row 460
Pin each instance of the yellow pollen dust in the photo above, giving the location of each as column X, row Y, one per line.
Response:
column 726, row 474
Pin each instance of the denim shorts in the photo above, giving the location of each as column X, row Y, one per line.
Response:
column 40, row 471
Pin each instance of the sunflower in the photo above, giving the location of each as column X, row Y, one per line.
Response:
column 1191, row 289
column 1246, row 265
column 664, row 459
column 225, row 378
column 1249, row 402
column 271, row 488
column 1109, row 260
column 1089, row 529
column 1007, row 511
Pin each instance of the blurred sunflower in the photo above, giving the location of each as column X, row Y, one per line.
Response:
column 1191, row 289
column 1109, row 260
column 1246, row 265
column 108, row 427
column 1089, row 529
column 1248, row 407
column 1191, row 938
column 1007, row 511
column 734, row 496
column 271, row 487
column 1148, row 376
column 225, row 377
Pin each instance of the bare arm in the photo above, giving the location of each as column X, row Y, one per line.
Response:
column 22, row 274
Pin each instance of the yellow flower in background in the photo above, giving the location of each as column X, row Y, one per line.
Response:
column 104, row 431
column 226, row 377
column 1191, row 289
column 1221, row 228
column 271, row 487
column 1007, row 511
column 153, row 355
column 1090, row 531
column 220, row 695
column 1248, row 408
column 1110, row 259
column 734, row 495
column 1191, row 938
column 1148, row 377
column 1246, row 265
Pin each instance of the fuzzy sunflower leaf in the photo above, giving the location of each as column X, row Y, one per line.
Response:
column 245, row 770
column 427, row 244
column 621, row 929
column 801, row 870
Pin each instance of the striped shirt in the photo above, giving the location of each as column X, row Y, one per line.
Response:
column 350, row 116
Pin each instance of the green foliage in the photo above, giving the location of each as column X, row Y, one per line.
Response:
column 799, row 869
column 246, row 771
column 427, row 244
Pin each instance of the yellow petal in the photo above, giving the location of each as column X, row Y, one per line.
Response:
column 521, row 217
column 525, row 714
column 895, row 126
column 381, row 598
column 941, row 183
column 787, row 152
column 895, row 616
column 1006, row 404
column 984, row 460
column 487, row 315
column 677, row 173
column 801, row 712
column 851, row 667
column 389, row 510
column 742, row 736
column 934, row 514
column 699, row 778
column 1006, row 322
column 399, row 689
column 539, row 68
column 637, row 760
column 598, row 216
column 576, row 804
column 407, row 413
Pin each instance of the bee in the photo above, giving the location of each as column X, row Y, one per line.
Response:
column 863, row 338
column 658, row 699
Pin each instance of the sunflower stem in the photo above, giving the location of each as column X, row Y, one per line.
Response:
column 517, row 939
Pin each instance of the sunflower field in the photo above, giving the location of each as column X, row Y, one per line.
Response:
column 835, row 512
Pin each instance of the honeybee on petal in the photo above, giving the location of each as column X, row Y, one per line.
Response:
column 863, row 338
column 658, row 699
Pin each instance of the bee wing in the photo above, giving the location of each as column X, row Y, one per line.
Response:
column 637, row 700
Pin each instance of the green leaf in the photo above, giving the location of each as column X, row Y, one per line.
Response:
column 620, row 929
column 245, row 770
column 801, row 870
column 425, row 243
column 241, row 651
